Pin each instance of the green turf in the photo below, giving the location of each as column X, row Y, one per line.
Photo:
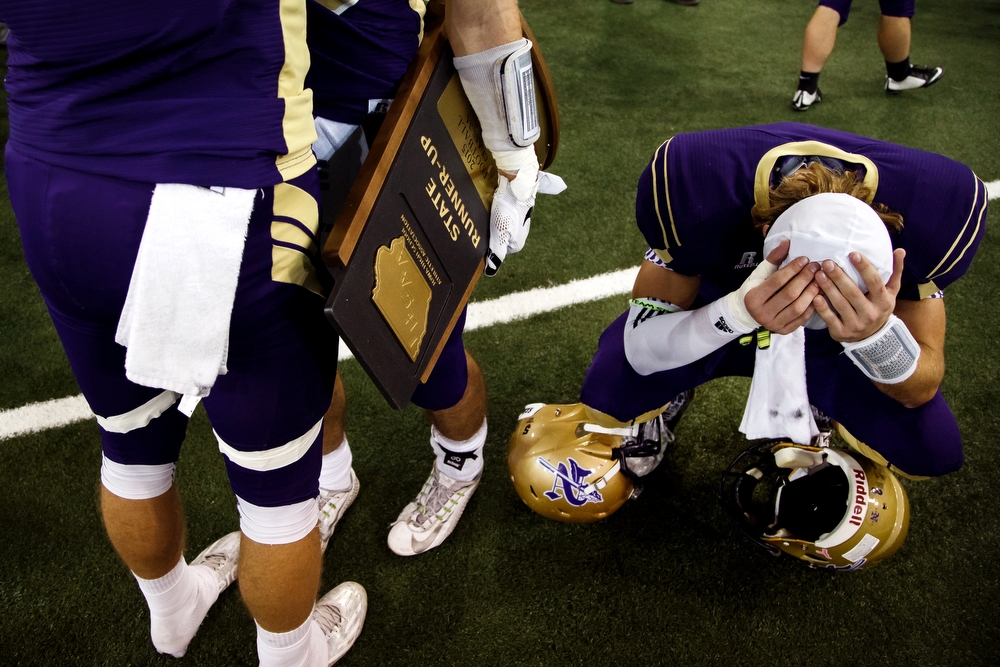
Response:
column 666, row 580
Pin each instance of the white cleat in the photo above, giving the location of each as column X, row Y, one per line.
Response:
column 340, row 614
column 803, row 100
column 215, row 568
column 222, row 558
column 920, row 77
column 432, row 516
column 332, row 505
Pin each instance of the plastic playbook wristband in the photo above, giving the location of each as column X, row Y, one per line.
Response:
column 888, row 356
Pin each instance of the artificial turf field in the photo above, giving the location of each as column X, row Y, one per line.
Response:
column 667, row 580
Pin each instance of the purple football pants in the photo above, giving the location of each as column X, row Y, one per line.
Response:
column 918, row 441
column 895, row 8
column 81, row 234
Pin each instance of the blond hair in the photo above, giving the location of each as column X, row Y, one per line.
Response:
column 813, row 180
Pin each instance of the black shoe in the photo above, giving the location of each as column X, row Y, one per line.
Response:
column 803, row 100
column 920, row 77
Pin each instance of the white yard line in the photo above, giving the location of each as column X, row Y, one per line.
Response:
column 993, row 189
column 37, row 417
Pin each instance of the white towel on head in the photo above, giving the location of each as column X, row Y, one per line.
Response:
column 824, row 226
column 175, row 322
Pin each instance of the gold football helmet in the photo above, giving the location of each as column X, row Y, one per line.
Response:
column 568, row 469
column 834, row 509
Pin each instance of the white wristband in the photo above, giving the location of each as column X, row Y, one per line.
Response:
column 888, row 356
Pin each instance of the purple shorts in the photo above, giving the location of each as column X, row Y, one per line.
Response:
column 81, row 234
column 918, row 441
column 446, row 384
column 896, row 8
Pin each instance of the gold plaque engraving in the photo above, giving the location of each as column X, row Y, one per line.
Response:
column 467, row 133
column 402, row 295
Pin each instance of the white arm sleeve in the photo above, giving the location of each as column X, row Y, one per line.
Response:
column 666, row 340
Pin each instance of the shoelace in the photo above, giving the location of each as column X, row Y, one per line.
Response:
column 215, row 561
column 674, row 407
column 328, row 617
column 431, row 500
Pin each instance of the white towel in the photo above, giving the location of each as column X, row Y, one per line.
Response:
column 824, row 226
column 778, row 405
column 175, row 322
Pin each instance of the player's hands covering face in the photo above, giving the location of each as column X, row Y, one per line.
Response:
column 850, row 314
column 784, row 301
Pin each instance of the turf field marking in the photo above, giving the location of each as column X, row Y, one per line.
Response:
column 36, row 417
column 993, row 189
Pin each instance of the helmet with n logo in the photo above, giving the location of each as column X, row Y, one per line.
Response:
column 568, row 469
column 831, row 508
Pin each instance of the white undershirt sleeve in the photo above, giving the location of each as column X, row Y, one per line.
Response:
column 657, row 339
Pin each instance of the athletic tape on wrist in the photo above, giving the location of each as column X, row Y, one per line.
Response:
column 724, row 317
column 888, row 356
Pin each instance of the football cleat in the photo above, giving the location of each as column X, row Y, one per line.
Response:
column 676, row 410
column 825, row 424
column 920, row 77
column 803, row 99
column 222, row 558
column 432, row 516
column 340, row 614
column 332, row 505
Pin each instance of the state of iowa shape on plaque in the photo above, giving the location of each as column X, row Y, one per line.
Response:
column 408, row 245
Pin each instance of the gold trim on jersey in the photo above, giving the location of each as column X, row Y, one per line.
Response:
column 870, row 453
column 297, row 124
column 979, row 221
column 762, row 180
column 338, row 6
column 420, row 7
column 293, row 265
column 666, row 196
column 927, row 289
column 664, row 255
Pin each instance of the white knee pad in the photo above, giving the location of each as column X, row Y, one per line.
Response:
column 136, row 482
column 278, row 525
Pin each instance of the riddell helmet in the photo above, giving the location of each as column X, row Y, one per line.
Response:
column 834, row 509
column 568, row 469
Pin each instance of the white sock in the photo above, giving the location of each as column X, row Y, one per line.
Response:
column 178, row 602
column 336, row 472
column 461, row 460
column 305, row 646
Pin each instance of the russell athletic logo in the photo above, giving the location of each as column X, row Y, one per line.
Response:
column 569, row 483
column 748, row 261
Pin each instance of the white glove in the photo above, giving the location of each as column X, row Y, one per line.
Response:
column 513, row 201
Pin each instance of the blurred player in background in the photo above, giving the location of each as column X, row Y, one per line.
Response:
column 894, row 34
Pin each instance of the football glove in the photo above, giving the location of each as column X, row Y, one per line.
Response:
column 510, row 217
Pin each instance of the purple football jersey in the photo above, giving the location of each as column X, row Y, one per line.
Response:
column 206, row 92
column 694, row 200
column 358, row 52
